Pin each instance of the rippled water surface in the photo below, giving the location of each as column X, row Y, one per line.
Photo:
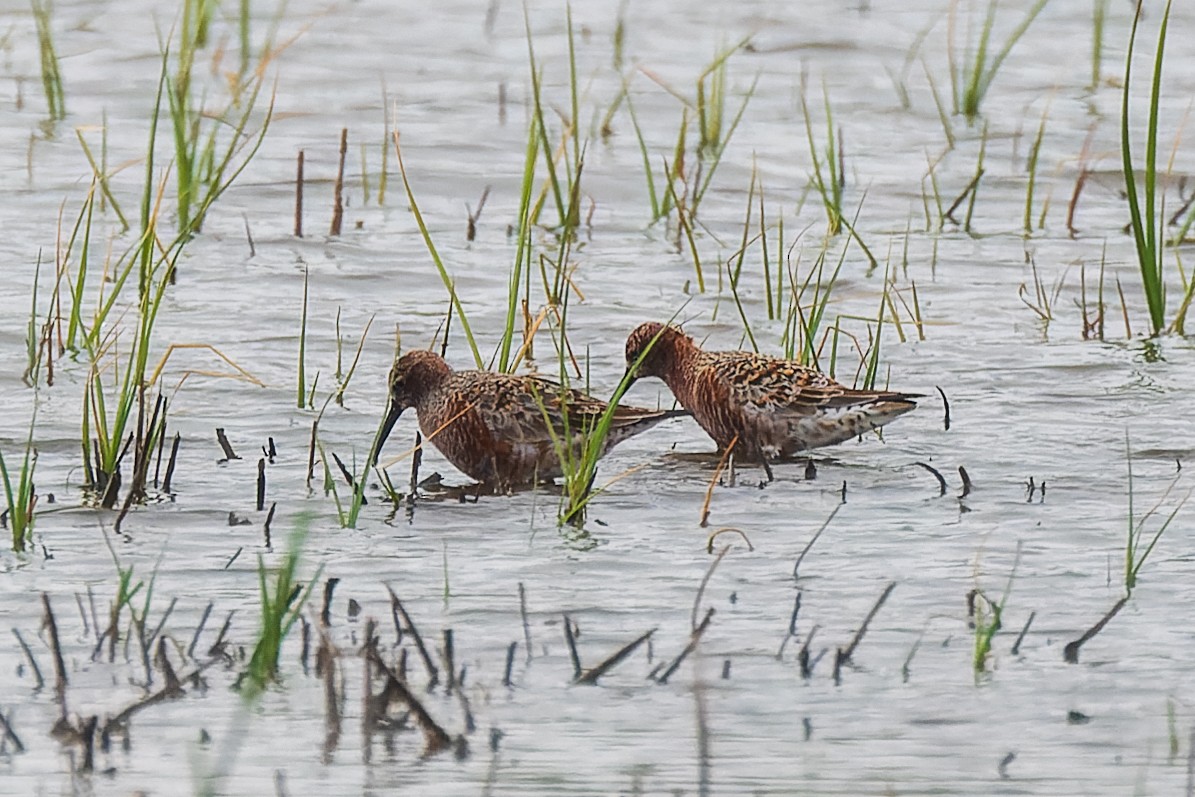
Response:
column 1031, row 401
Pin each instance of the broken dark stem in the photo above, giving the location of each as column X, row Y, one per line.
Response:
column 170, row 465
column 60, row 680
column 338, row 188
column 433, row 673
column 449, row 653
column 266, row 528
column 966, row 477
column 945, row 409
column 803, row 654
column 510, row 662
column 1016, row 647
column 435, row 738
column 591, row 677
column 325, row 615
column 225, row 446
column 523, row 616
column 11, row 735
column 941, row 479
column 850, row 649
column 199, row 630
column 694, row 638
column 261, row 484
column 812, row 540
column 311, row 453
column 571, row 640
column 792, row 626
column 1070, row 653
column 32, row 661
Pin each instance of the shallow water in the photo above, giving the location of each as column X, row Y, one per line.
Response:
column 1028, row 400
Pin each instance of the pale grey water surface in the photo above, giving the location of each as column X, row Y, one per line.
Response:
column 1029, row 400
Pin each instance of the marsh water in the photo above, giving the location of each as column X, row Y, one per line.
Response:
column 1031, row 402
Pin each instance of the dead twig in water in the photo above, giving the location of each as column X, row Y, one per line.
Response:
column 945, row 409
column 1070, row 653
column 709, row 492
column 1016, row 646
column 432, row 672
column 843, row 655
column 50, row 624
column 471, row 229
column 338, row 188
column 225, row 446
column 571, row 640
column 32, row 661
column 937, row 475
column 592, row 676
column 523, row 616
column 694, row 638
column 10, row 734
column 812, row 540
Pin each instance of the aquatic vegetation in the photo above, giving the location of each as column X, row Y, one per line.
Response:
column 828, row 177
column 1099, row 15
column 51, row 77
column 987, row 617
column 1031, row 168
column 972, row 73
column 281, row 602
column 21, row 499
column 1147, row 220
column 449, row 284
column 1136, row 548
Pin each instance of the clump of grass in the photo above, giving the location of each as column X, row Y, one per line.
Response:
column 282, row 600
column 115, row 415
column 971, row 76
column 987, row 618
column 714, row 133
column 828, row 175
column 1148, row 221
column 51, row 77
column 579, row 465
column 21, row 499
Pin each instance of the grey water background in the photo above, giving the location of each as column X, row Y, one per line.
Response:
column 1028, row 400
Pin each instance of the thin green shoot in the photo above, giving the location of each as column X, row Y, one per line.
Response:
column 521, row 269
column 684, row 220
column 943, row 114
column 988, row 618
column 301, row 398
column 435, row 255
column 1136, row 549
column 100, row 174
column 51, row 77
column 1099, row 14
column 1031, row 167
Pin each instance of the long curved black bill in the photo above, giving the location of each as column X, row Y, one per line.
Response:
column 629, row 377
column 393, row 411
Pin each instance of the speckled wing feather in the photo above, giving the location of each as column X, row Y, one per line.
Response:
column 770, row 384
column 513, row 407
